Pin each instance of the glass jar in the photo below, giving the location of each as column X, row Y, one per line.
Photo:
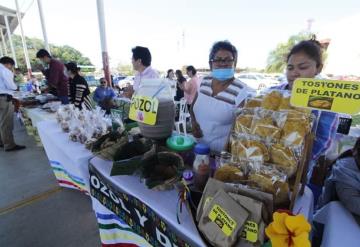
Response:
column 201, row 165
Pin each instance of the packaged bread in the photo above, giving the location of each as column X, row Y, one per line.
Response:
column 265, row 128
column 243, row 123
column 285, row 104
column 250, row 149
column 294, row 131
column 229, row 174
column 223, row 220
column 272, row 101
column 283, row 158
column 253, row 102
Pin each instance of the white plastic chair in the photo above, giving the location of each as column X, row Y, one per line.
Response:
column 183, row 116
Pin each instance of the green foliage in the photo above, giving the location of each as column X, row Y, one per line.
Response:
column 276, row 61
column 64, row 53
column 125, row 69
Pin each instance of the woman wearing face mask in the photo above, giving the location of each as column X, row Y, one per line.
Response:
column 212, row 111
column 305, row 61
column 79, row 89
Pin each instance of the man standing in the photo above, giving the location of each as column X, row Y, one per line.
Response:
column 141, row 61
column 55, row 75
column 7, row 86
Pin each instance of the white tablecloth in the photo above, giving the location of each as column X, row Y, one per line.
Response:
column 68, row 159
column 37, row 115
column 162, row 202
column 340, row 227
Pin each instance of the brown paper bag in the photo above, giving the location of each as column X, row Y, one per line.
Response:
column 223, row 220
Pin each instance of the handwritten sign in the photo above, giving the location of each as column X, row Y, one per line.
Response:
column 144, row 109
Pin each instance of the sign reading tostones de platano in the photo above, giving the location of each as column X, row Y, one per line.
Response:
column 328, row 95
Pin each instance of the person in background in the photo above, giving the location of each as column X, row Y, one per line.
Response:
column 79, row 89
column 35, row 85
column 213, row 109
column 305, row 61
column 180, row 80
column 170, row 74
column 190, row 87
column 55, row 75
column 7, row 87
column 141, row 61
column 171, row 77
column 104, row 95
column 343, row 183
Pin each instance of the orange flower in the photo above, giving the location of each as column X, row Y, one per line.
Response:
column 289, row 231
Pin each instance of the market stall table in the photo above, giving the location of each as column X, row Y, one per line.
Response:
column 340, row 227
column 120, row 201
column 69, row 160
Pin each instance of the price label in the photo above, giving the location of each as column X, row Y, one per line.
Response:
column 144, row 109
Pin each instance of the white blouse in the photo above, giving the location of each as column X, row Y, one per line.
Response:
column 215, row 115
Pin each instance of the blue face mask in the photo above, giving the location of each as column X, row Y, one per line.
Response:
column 223, row 74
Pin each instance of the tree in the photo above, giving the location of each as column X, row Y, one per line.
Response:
column 276, row 61
column 64, row 53
column 125, row 69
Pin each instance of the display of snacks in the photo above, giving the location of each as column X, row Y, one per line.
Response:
column 269, row 145
column 250, row 149
column 272, row 101
column 84, row 125
column 229, row 174
column 284, row 158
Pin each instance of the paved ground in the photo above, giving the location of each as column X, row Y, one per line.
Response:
column 34, row 210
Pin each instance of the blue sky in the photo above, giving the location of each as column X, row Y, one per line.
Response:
column 254, row 27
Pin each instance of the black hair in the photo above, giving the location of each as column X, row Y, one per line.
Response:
column 168, row 72
column 179, row 75
column 72, row 67
column 43, row 53
column 223, row 45
column 192, row 69
column 142, row 53
column 311, row 48
column 7, row 60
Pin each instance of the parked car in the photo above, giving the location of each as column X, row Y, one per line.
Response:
column 127, row 79
column 92, row 82
column 256, row 80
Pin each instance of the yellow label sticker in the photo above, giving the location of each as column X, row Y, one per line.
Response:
column 328, row 95
column 250, row 231
column 144, row 109
column 222, row 219
column 208, row 199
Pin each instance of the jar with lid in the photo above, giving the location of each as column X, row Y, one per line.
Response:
column 201, row 165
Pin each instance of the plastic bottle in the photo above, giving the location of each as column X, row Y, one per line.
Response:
column 201, row 165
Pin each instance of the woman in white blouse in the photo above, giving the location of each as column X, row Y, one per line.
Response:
column 213, row 108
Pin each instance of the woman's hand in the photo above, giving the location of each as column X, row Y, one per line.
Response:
column 196, row 130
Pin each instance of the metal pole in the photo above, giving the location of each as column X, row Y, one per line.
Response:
column 10, row 39
column 3, row 42
column 43, row 27
column 26, row 54
column 105, row 58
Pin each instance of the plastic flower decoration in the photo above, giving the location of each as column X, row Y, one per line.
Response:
column 288, row 230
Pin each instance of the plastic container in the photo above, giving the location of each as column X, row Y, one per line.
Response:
column 159, row 88
column 201, row 165
column 182, row 145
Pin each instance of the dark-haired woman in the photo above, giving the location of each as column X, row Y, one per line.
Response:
column 305, row 61
column 180, row 80
column 79, row 89
column 213, row 109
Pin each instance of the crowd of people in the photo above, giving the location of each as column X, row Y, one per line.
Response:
column 220, row 91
